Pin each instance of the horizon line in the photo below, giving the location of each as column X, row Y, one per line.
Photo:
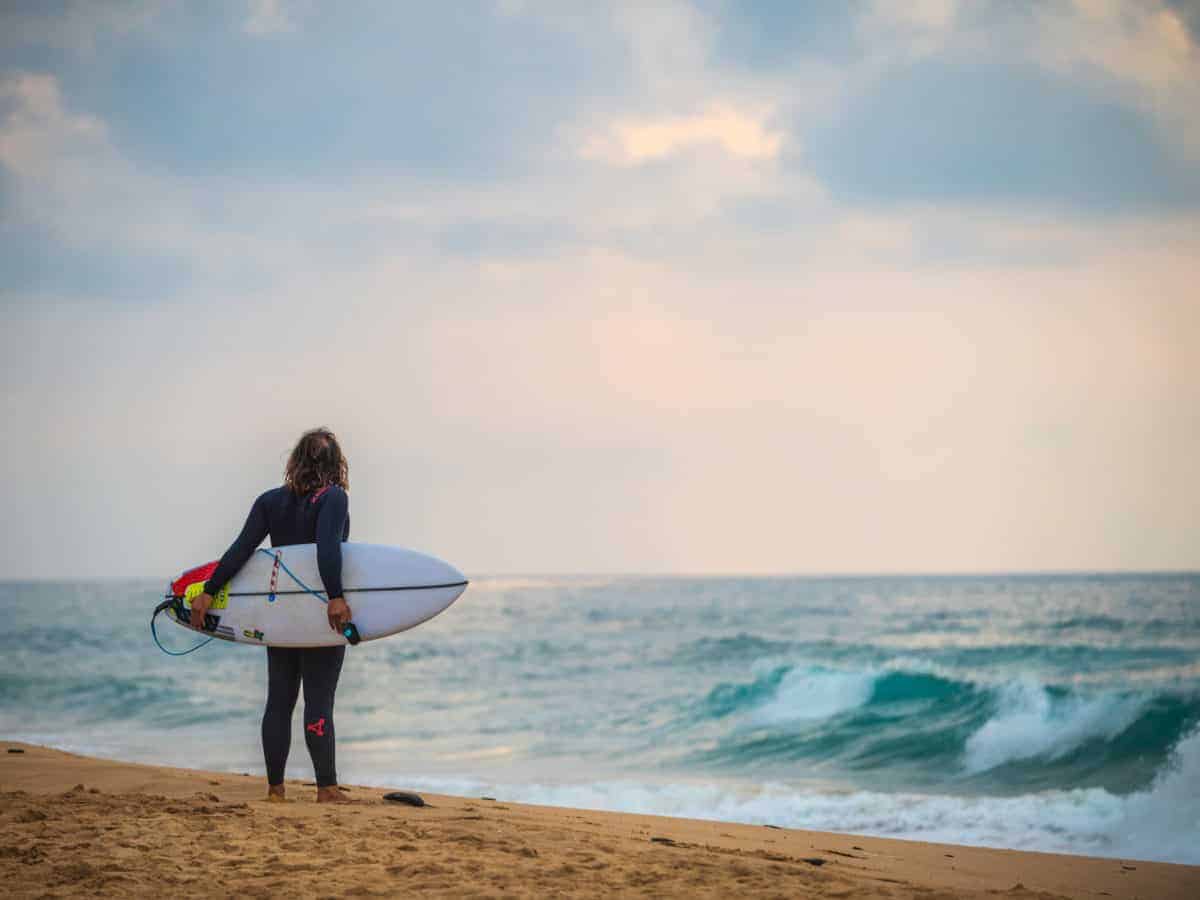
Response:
column 727, row 575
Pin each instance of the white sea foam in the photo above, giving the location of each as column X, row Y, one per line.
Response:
column 1030, row 722
column 1164, row 821
column 806, row 694
column 1160, row 823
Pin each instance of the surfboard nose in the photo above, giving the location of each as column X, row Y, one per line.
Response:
column 441, row 573
column 454, row 575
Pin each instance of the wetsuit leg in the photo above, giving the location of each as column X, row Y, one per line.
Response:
column 320, row 667
column 283, row 686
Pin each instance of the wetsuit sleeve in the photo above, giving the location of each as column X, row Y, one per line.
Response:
column 253, row 534
column 331, row 527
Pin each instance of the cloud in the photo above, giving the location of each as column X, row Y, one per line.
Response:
column 1189, row 14
column 35, row 129
column 1144, row 45
column 740, row 133
column 54, row 163
column 79, row 217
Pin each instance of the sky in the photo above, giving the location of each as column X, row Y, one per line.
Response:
column 665, row 287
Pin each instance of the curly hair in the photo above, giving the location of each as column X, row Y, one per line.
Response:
column 316, row 462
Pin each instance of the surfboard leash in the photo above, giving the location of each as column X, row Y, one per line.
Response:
column 277, row 561
column 166, row 604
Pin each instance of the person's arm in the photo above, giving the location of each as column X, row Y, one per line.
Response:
column 253, row 533
column 243, row 547
column 331, row 526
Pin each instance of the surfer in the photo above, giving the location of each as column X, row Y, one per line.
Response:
column 312, row 506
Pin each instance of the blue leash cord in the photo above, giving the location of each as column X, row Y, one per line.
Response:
column 154, row 634
column 275, row 559
column 291, row 575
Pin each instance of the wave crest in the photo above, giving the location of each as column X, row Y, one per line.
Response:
column 1010, row 735
column 1033, row 722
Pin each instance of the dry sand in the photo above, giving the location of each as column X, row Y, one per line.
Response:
column 71, row 825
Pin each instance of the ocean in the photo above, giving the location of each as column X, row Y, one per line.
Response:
column 1044, row 712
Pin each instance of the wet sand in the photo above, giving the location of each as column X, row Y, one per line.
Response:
column 76, row 826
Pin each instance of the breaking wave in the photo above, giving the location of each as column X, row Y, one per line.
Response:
column 1010, row 735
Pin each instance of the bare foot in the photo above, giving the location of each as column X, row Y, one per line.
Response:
column 332, row 794
column 275, row 793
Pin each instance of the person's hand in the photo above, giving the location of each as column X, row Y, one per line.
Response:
column 339, row 613
column 200, row 606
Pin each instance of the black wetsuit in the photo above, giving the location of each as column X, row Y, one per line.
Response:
column 323, row 518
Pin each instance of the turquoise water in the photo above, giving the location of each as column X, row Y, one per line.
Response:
column 1041, row 712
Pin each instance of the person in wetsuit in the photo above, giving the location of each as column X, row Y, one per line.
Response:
column 312, row 506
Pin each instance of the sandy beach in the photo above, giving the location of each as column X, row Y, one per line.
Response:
column 77, row 826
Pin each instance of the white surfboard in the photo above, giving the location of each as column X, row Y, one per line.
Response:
column 388, row 589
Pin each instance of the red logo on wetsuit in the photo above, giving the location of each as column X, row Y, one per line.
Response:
column 317, row 727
